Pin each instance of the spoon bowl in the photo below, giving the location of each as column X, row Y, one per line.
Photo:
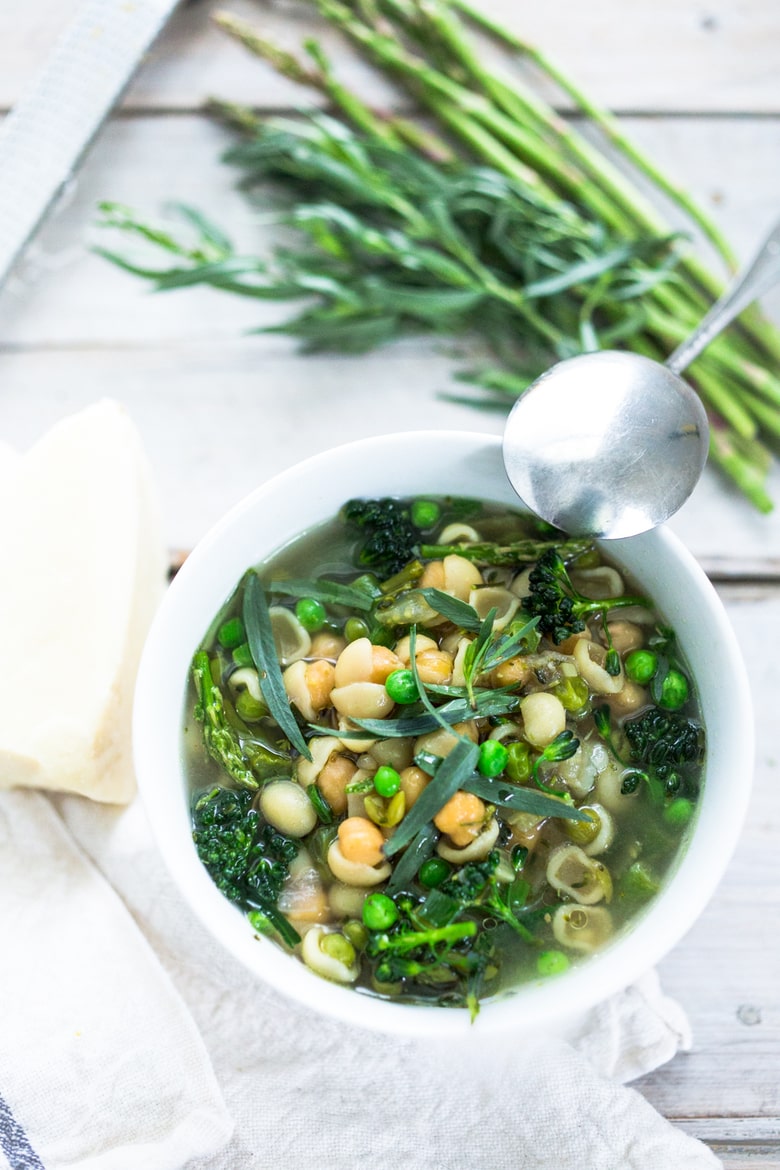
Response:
column 607, row 445
column 611, row 444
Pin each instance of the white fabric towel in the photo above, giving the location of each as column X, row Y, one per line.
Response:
column 103, row 1068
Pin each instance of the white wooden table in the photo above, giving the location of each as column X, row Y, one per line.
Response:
column 698, row 86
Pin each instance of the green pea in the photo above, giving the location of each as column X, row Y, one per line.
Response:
column 434, row 871
column 518, row 764
column 311, row 614
column 425, row 513
column 674, row 691
column 583, row 832
column 639, row 882
column 231, row 633
column 401, row 687
column 355, row 628
column 572, row 692
column 356, row 933
column 386, row 780
column 379, row 912
column 249, row 708
column 242, row 655
column 641, row 666
column 338, row 947
column 552, row 963
column 678, row 812
column 492, row 758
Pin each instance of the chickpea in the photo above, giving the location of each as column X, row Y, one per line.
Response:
column 333, row 780
column 461, row 818
column 320, row 679
column 627, row 700
column 423, row 642
column 544, row 717
column 308, row 685
column 433, row 575
column 326, row 644
column 460, row 576
column 413, row 781
column 625, row 636
column 360, row 840
column 512, row 673
column 434, row 666
column 383, row 663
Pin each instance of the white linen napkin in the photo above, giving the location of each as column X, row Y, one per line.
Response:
column 102, row 1066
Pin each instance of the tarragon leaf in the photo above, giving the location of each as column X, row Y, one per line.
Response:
column 260, row 637
column 460, row 613
column 505, row 795
column 451, row 775
column 322, row 590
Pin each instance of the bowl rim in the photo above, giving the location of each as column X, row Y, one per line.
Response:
column 186, row 612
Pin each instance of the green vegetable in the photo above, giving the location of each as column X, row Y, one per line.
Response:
column 379, row 912
column 678, row 812
column 552, row 963
column 311, row 614
column 231, row 633
column 221, row 740
column 674, row 691
column 492, row 758
column 386, row 535
column 247, row 860
column 518, row 764
column 355, row 628
column 425, row 513
column 434, row 871
column 475, row 886
column 561, row 748
column 663, row 740
column 401, row 687
column 573, row 693
column 387, row 781
column 519, row 552
column 641, row 665
column 558, row 605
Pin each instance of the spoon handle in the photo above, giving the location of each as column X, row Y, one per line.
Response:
column 757, row 279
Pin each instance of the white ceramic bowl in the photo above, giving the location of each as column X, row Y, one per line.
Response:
column 461, row 464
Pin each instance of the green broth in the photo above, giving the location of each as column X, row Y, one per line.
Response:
column 541, row 891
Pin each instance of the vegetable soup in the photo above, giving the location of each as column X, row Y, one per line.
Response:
column 437, row 749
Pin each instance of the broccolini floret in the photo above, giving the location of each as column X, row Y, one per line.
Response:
column 663, row 740
column 247, row 859
column 388, row 538
column 558, row 605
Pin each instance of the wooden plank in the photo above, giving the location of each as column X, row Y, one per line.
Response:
column 219, row 417
column 726, row 972
column 668, row 56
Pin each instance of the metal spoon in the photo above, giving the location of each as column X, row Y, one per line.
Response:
column 611, row 444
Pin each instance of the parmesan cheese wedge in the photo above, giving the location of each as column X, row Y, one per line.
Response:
column 83, row 571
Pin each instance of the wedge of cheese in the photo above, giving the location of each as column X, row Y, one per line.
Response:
column 83, row 568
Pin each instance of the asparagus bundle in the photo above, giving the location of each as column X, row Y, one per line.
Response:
column 503, row 222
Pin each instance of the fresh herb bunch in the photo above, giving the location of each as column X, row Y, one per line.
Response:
column 248, row 860
column 509, row 225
